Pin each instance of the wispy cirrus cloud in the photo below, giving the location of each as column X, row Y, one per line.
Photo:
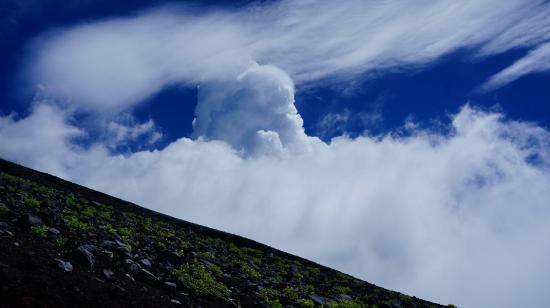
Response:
column 116, row 63
column 536, row 61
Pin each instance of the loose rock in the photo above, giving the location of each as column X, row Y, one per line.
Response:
column 145, row 263
column 29, row 220
column 108, row 274
column 147, row 276
column 170, row 286
column 83, row 256
column 64, row 265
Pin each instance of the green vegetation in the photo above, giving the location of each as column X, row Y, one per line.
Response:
column 88, row 212
column 291, row 293
column 201, row 281
column 268, row 296
column 39, row 231
column 75, row 223
column 248, row 270
column 340, row 290
column 345, row 304
column 70, row 201
column 60, row 241
column 306, row 303
column 31, row 202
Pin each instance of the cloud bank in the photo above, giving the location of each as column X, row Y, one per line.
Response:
column 458, row 218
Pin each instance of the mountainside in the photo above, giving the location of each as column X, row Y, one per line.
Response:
column 64, row 245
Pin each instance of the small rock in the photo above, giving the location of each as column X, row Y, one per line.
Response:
column 132, row 266
column 108, row 244
column 53, row 231
column 121, row 243
column 90, row 247
column 16, row 244
column 119, row 288
column 4, row 226
column 319, row 300
column 29, row 220
column 108, row 254
column 124, row 250
column 167, row 266
column 83, row 256
column 129, row 277
column 147, row 276
column 145, row 263
column 50, row 216
column 108, row 274
column 171, row 257
column 170, row 286
column 182, row 284
column 64, row 265
column 175, row 302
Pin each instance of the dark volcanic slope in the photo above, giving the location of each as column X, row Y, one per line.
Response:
column 62, row 244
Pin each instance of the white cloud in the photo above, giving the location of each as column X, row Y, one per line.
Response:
column 456, row 219
column 125, row 130
column 114, row 64
column 42, row 138
column 536, row 61
column 254, row 112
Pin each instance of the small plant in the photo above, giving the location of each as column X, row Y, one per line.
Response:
column 308, row 289
column 201, row 281
column 31, row 202
column 105, row 214
column 340, row 290
column 214, row 269
column 124, row 232
column 249, row 271
column 109, row 228
column 306, row 303
column 146, row 223
column 180, row 252
column 291, row 293
column 39, row 231
column 268, row 296
column 60, row 242
column 70, row 201
column 344, row 304
column 74, row 223
column 89, row 212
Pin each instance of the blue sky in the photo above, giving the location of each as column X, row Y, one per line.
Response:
column 425, row 95
column 406, row 143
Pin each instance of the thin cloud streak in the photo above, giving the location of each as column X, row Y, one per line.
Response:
column 536, row 61
column 115, row 64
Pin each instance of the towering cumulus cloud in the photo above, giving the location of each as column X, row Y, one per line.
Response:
column 457, row 217
column 254, row 112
